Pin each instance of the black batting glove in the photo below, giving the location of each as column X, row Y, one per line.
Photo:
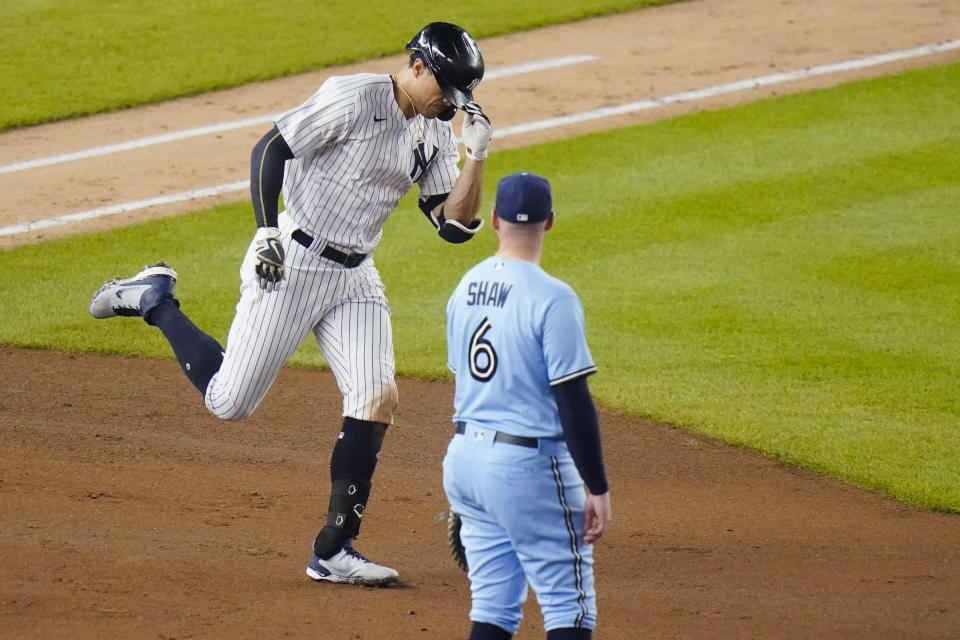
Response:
column 269, row 251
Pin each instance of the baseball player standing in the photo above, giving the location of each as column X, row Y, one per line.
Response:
column 342, row 159
column 527, row 436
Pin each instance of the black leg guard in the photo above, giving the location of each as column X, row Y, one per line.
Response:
column 348, row 499
column 352, row 464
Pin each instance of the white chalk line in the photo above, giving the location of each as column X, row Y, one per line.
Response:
column 147, row 141
column 114, row 209
column 539, row 125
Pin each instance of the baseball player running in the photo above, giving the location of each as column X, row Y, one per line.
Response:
column 343, row 159
column 527, row 437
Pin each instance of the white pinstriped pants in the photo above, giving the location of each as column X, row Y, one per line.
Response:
column 348, row 313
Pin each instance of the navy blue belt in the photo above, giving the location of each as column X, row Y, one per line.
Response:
column 500, row 436
column 349, row 260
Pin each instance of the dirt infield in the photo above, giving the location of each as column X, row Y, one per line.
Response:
column 128, row 511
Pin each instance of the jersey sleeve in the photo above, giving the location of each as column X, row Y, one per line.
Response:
column 443, row 172
column 565, row 349
column 326, row 117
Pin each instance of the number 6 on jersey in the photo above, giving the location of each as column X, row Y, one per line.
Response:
column 483, row 358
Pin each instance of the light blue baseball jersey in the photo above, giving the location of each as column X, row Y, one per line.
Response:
column 513, row 330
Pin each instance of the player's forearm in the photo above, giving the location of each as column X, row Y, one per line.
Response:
column 463, row 203
column 266, row 176
column 581, row 430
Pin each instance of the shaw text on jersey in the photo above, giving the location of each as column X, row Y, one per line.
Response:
column 487, row 293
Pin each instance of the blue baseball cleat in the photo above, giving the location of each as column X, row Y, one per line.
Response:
column 134, row 296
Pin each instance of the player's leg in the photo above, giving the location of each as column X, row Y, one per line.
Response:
column 487, row 631
column 356, row 340
column 352, row 463
column 333, row 557
column 149, row 294
column 569, row 633
column 267, row 328
column 545, row 517
column 198, row 353
column 498, row 586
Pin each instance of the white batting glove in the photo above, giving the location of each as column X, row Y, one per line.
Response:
column 476, row 131
column 269, row 251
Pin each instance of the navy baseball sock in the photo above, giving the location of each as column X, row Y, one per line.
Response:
column 569, row 633
column 487, row 631
column 358, row 444
column 199, row 355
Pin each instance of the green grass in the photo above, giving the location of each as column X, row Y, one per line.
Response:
column 783, row 275
column 63, row 58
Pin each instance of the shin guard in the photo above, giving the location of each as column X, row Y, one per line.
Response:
column 348, row 500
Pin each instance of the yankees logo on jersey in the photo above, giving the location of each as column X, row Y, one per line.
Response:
column 421, row 160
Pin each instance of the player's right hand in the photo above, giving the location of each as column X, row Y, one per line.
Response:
column 476, row 132
column 269, row 253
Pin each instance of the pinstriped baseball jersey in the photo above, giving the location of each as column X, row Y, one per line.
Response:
column 356, row 155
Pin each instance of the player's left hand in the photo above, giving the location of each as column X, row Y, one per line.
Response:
column 597, row 517
column 476, row 132
column 269, row 251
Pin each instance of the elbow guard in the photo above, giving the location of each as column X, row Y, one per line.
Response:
column 453, row 231
column 450, row 230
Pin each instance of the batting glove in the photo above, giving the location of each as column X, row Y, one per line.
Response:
column 269, row 253
column 476, row 131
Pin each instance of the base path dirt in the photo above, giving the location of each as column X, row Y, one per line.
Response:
column 128, row 511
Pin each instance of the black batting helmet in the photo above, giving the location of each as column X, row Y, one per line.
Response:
column 454, row 58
